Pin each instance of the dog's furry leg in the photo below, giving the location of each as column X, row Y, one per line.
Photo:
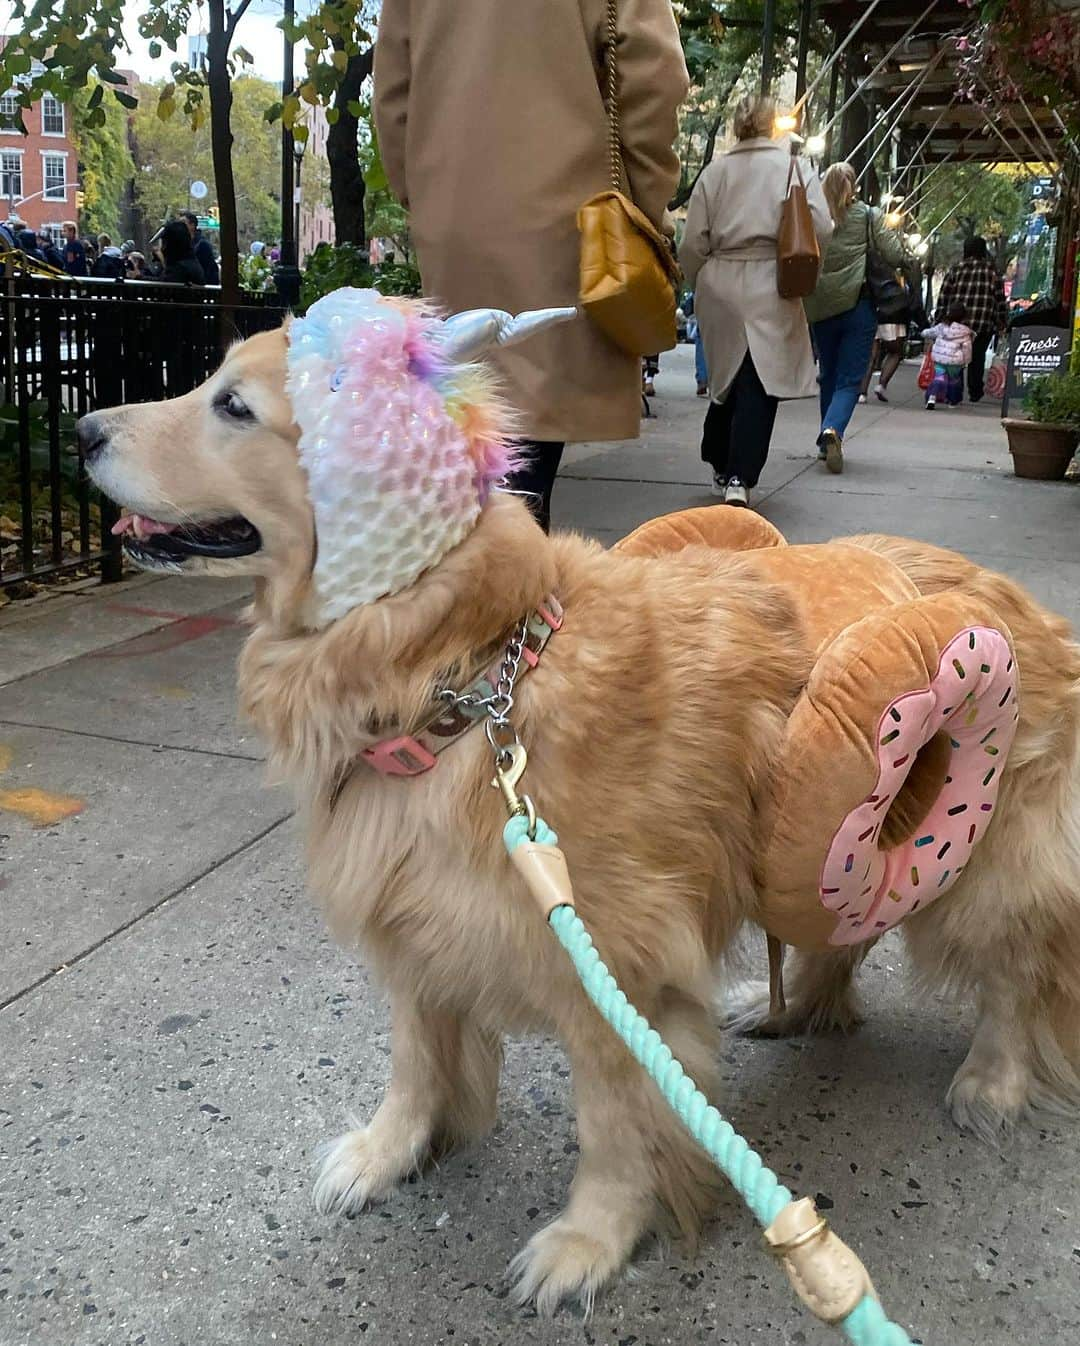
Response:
column 990, row 1090
column 443, row 1086
column 1025, row 1053
column 819, row 991
column 635, row 1158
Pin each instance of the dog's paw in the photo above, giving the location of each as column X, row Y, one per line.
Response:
column 987, row 1104
column 564, row 1262
column 363, row 1166
column 746, row 1010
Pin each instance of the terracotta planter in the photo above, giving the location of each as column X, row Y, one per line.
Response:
column 1040, row 451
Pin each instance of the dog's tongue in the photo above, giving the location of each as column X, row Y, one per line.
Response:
column 141, row 526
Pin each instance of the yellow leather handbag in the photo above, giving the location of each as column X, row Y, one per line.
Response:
column 628, row 272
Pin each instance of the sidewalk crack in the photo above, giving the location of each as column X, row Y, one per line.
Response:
column 83, row 954
column 132, row 742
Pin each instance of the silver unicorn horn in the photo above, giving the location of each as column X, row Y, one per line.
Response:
column 464, row 336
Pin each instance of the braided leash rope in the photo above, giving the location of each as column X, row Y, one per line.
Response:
column 760, row 1188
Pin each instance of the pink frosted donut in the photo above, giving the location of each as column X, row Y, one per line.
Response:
column 973, row 698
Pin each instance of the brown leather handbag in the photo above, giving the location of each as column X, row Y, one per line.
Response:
column 628, row 271
column 798, row 257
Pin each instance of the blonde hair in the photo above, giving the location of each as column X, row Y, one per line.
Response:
column 753, row 116
column 838, row 184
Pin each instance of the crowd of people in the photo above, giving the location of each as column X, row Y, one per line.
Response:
column 180, row 253
column 756, row 349
column 493, row 200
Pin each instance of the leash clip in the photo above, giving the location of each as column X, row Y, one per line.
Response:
column 510, row 764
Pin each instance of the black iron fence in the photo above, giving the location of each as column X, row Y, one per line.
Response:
column 70, row 348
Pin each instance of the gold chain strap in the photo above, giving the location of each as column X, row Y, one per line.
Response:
column 614, row 136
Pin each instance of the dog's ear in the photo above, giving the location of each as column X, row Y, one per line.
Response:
column 464, row 336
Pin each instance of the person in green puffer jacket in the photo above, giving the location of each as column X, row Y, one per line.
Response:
column 840, row 312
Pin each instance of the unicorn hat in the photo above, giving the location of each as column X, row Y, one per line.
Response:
column 402, row 437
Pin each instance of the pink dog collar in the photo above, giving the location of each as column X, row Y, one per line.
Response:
column 416, row 753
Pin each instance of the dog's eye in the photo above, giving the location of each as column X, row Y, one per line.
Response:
column 232, row 404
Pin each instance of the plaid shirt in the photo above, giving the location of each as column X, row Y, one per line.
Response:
column 977, row 285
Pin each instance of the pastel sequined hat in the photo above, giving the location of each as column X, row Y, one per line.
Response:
column 401, row 436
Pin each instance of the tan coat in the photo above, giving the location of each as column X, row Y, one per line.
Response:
column 729, row 256
column 492, row 129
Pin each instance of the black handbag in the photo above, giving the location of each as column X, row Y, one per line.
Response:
column 885, row 289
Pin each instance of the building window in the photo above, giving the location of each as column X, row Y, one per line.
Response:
column 11, row 188
column 9, row 112
column 52, row 116
column 54, row 173
column 55, row 232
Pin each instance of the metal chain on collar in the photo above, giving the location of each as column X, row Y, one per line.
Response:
column 500, row 733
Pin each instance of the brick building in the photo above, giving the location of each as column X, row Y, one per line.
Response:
column 39, row 170
column 316, row 217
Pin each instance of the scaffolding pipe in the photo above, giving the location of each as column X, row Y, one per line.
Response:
column 920, row 195
column 802, row 51
column 880, row 65
column 1013, row 152
column 1051, row 152
column 1065, row 133
column 925, row 140
column 768, row 46
column 1023, row 134
column 837, row 52
column 907, row 97
column 942, row 222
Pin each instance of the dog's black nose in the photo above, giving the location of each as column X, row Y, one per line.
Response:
column 92, row 435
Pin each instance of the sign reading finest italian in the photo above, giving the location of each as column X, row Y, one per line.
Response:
column 1034, row 351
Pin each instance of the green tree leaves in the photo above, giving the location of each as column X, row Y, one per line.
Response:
column 171, row 156
column 99, row 129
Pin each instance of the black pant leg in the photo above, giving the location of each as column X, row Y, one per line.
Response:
column 716, row 434
column 976, row 374
column 752, row 424
column 535, row 478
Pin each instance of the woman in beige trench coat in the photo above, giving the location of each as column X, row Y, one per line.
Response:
column 757, row 345
column 493, row 132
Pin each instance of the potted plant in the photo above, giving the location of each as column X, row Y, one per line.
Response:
column 1042, row 445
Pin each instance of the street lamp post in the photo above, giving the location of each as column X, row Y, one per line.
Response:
column 287, row 274
column 298, row 154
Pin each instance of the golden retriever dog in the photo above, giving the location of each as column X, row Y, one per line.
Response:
column 650, row 724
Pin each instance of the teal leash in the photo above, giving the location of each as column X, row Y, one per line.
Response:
column 769, row 1200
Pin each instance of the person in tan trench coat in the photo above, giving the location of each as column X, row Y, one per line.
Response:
column 493, row 132
column 757, row 345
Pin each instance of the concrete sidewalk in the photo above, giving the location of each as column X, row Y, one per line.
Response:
column 178, row 1031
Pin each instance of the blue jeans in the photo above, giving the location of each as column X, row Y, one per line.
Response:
column 700, row 368
column 843, row 345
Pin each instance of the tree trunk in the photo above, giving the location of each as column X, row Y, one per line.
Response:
column 221, row 141
column 347, row 188
column 686, row 189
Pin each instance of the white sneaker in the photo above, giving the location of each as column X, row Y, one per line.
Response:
column 931, row 403
column 862, row 399
column 719, row 484
column 736, row 493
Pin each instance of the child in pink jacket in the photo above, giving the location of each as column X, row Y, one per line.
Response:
column 951, row 355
